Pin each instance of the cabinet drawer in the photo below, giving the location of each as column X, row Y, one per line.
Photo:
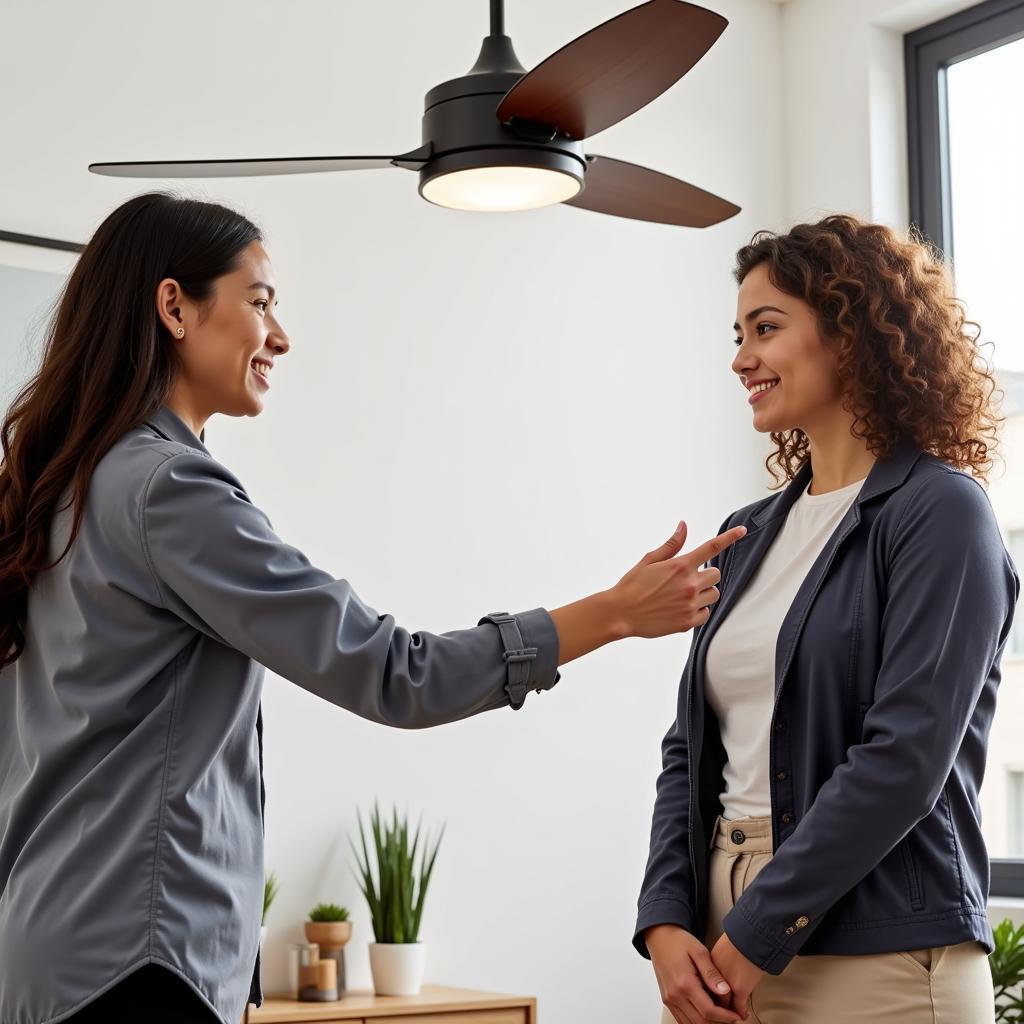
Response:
column 304, row 1016
column 514, row 1016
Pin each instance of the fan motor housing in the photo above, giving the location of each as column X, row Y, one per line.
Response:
column 461, row 125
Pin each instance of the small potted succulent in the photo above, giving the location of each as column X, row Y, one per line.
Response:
column 270, row 888
column 328, row 925
column 1006, row 962
column 395, row 898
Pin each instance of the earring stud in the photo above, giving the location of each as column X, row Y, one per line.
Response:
column 180, row 332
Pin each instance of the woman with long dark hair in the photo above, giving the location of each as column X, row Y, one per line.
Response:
column 141, row 595
column 816, row 849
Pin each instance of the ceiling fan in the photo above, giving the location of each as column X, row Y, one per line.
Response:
column 504, row 138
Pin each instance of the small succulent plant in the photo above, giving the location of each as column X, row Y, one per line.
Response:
column 328, row 912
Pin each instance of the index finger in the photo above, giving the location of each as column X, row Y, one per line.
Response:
column 699, row 555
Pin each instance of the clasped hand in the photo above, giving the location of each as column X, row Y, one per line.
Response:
column 690, row 976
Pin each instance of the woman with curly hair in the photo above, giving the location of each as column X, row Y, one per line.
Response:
column 142, row 593
column 816, row 851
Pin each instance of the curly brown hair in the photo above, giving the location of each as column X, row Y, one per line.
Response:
column 909, row 367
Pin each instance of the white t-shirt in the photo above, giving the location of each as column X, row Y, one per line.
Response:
column 740, row 666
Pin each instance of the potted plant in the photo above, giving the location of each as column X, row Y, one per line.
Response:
column 328, row 925
column 1006, row 962
column 270, row 888
column 395, row 899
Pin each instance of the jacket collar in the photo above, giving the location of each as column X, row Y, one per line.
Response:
column 884, row 476
column 170, row 425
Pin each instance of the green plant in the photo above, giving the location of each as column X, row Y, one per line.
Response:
column 396, row 904
column 270, row 888
column 328, row 912
column 1006, row 962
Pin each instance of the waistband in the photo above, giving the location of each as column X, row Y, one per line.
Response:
column 742, row 835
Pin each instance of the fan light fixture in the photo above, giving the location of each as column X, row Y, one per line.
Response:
column 502, row 138
column 500, row 189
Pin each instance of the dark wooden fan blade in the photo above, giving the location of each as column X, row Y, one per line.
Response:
column 628, row 190
column 250, row 167
column 615, row 69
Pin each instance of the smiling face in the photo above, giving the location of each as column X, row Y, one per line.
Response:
column 230, row 342
column 779, row 344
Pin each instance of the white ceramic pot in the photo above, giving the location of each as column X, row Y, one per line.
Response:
column 397, row 967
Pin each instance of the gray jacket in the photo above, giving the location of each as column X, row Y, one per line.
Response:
column 131, row 796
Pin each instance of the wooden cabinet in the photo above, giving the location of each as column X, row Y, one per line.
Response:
column 436, row 1004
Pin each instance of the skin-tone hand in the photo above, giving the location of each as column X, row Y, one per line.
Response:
column 742, row 975
column 688, row 978
column 665, row 592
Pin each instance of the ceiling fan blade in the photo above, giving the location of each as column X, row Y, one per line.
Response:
column 244, row 168
column 629, row 190
column 615, row 69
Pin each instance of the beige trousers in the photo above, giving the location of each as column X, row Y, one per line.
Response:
column 940, row 985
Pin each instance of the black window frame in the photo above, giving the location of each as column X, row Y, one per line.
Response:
column 927, row 53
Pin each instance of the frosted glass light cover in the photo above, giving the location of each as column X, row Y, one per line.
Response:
column 498, row 189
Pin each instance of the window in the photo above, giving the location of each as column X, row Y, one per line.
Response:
column 1016, row 549
column 965, row 83
column 33, row 271
column 1015, row 812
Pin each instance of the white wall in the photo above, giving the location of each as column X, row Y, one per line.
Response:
column 845, row 104
column 477, row 413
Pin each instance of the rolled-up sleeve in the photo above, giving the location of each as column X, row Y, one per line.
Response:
column 218, row 564
column 951, row 590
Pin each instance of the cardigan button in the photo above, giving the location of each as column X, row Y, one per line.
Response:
column 781, row 776
column 787, row 818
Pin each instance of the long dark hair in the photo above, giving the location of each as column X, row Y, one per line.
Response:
column 108, row 363
column 885, row 303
